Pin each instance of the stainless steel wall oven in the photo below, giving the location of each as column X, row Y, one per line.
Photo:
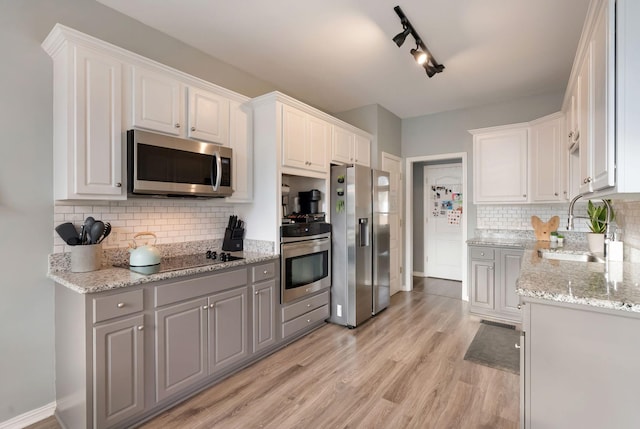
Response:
column 305, row 252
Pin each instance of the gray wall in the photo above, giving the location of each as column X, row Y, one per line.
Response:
column 26, row 198
column 448, row 133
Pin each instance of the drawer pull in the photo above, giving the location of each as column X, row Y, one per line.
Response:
column 265, row 272
column 517, row 346
column 120, row 304
column 308, row 305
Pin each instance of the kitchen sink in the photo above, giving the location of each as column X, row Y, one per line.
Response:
column 576, row 257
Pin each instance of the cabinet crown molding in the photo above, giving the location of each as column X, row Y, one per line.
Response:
column 60, row 35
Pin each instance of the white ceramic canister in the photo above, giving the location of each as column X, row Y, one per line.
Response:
column 85, row 258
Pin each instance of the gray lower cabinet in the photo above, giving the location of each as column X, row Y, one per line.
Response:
column 580, row 366
column 124, row 355
column 305, row 314
column 227, row 329
column 119, row 370
column 265, row 296
column 493, row 273
column 196, row 338
column 181, row 346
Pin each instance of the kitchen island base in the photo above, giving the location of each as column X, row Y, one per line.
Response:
column 580, row 366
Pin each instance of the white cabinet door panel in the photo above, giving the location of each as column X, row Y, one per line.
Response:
column 208, row 117
column 157, row 102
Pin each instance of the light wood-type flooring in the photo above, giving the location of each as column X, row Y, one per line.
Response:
column 402, row 369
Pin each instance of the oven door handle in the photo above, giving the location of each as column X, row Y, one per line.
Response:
column 305, row 247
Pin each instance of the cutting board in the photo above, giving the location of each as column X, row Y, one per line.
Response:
column 543, row 230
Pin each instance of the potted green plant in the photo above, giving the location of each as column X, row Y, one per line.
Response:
column 597, row 225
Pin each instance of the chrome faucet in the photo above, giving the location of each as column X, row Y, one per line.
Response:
column 607, row 231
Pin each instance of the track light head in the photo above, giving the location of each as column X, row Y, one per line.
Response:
column 400, row 37
column 432, row 70
column 420, row 56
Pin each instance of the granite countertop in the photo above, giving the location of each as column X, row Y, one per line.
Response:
column 610, row 285
column 110, row 277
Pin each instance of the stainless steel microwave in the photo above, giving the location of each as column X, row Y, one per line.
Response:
column 175, row 167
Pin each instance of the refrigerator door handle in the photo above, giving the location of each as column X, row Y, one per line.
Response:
column 364, row 231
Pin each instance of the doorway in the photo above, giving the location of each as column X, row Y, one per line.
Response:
column 414, row 232
column 442, row 213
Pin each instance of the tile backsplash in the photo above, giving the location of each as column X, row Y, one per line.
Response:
column 172, row 220
column 518, row 218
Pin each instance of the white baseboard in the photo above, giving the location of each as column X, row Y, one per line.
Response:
column 419, row 274
column 30, row 417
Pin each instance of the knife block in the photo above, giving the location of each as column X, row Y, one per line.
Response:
column 233, row 240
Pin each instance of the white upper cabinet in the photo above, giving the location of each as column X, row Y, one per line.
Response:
column 305, row 140
column 342, row 146
column 157, row 102
column 547, row 159
column 362, row 148
column 208, row 116
column 241, row 141
column 348, row 147
column 159, row 105
column 87, row 141
column 605, row 89
column 500, row 164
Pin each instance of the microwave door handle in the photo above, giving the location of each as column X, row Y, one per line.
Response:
column 216, row 171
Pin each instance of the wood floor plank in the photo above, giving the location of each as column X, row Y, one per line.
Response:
column 404, row 368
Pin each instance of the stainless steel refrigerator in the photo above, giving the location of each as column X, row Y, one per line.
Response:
column 360, row 244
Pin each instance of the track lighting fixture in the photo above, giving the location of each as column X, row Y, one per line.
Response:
column 420, row 53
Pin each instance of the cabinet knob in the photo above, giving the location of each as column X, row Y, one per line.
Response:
column 517, row 346
column 555, row 194
column 481, row 253
column 265, row 271
column 308, row 320
column 519, row 307
column 308, row 305
column 177, row 125
column 193, row 128
column 204, row 307
column 256, row 292
column 120, row 304
column 490, row 268
column 140, row 328
column 524, row 195
column 118, row 185
column 211, row 305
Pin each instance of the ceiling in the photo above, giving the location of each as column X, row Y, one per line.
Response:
column 338, row 54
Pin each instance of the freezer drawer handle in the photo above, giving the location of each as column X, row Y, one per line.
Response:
column 364, row 231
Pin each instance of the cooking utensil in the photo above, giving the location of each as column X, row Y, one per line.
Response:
column 97, row 229
column 107, row 231
column 68, row 233
column 86, row 227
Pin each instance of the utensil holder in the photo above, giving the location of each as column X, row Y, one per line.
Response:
column 86, row 258
column 233, row 241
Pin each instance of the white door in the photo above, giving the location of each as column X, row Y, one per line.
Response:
column 443, row 218
column 393, row 165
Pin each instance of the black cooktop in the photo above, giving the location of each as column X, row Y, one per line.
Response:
column 175, row 263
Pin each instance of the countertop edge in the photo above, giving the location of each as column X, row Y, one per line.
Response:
column 112, row 278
